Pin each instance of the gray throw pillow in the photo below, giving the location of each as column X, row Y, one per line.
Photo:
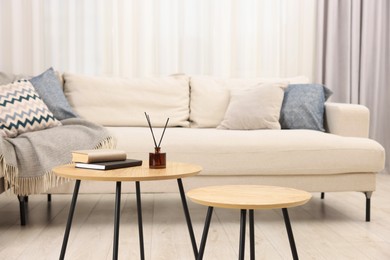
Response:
column 303, row 106
column 49, row 88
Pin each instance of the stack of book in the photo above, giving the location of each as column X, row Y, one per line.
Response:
column 103, row 159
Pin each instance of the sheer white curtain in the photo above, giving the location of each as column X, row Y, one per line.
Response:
column 146, row 37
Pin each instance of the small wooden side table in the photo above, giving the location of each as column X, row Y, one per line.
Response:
column 248, row 197
column 173, row 170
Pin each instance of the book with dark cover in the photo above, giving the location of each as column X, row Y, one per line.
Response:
column 110, row 165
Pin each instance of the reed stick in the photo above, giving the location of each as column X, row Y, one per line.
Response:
column 165, row 127
column 151, row 130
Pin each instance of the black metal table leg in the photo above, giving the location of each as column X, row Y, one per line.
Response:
column 252, row 233
column 140, row 225
column 205, row 233
column 117, row 219
column 188, row 217
column 290, row 234
column 241, row 252
column 70, row 218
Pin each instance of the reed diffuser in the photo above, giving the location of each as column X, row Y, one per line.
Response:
column 157, row 160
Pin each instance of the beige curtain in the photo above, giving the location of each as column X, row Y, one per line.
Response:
column 353, row 58
column 148, row 37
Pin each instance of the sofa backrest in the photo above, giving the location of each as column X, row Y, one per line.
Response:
column 122, row 102
column 199, row 101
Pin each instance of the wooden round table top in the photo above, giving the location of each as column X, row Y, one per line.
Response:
column 249, row 197
column 174, row 170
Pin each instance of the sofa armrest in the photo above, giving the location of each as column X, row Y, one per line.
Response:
column 347, row 119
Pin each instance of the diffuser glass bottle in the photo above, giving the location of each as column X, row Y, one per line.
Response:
column 157, row 160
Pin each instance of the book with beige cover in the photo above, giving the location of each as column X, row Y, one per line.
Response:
column 99, row 155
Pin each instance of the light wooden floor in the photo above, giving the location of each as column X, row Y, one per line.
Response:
column 333, row 228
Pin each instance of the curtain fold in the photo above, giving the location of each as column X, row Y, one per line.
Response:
column 147, row 37
column 353, row 58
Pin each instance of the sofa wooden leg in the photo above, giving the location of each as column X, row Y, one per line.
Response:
column 322, row 195
column 22, row 209
column 368, row 205
column 49, row 197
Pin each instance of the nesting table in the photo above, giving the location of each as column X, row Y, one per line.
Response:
column 248, row 197
column 173, row 170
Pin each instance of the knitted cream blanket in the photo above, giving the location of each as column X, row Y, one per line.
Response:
column 26, row 160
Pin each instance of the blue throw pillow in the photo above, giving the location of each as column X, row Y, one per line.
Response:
column 49, row 88
column 303, row 106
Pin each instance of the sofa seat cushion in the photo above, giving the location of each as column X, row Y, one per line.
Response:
column 257, row 152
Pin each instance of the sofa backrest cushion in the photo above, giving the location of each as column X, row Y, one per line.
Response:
column 210, row 96
column 113, row 101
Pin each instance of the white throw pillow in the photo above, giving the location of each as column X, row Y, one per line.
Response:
column 254, row 108
column 210, row 96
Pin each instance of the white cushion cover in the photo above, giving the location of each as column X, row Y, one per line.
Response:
column 257, row 152
column 254, row 108
column 210, row 96
column 122, row 102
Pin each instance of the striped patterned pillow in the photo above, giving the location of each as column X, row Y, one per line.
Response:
column 22, row 110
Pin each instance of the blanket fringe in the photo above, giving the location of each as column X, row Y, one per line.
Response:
column 107, row 143
column 8, row 171
column 37, row 185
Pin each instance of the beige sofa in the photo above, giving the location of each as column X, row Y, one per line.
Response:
column 341, row 159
